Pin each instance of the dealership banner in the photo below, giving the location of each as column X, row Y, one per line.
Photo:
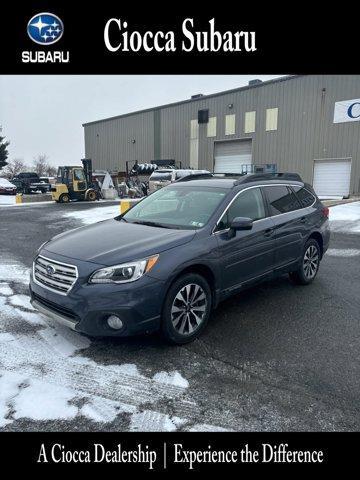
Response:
column 160, row 452
column 117, row 39
column 347, row 111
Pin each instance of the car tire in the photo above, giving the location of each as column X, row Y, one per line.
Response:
column 64, row 198
column 186, row 309
column 310, row 262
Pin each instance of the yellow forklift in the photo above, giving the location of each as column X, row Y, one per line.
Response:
column 75, row 183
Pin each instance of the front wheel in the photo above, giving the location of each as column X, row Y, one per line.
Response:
column 186, row 309
column 64, row 198
column 309, row 264
column 91, row 196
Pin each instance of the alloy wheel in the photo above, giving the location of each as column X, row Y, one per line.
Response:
column 311, row 262
column 189, row 309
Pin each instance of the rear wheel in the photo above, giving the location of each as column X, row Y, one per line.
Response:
column 64, row 198
column 309, row 265
column 186, row 309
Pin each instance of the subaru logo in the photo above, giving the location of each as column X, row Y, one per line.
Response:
column 45, row 28
column 50, row 270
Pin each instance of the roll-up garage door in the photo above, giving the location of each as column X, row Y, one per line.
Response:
column 332, row 177
column 231, row 155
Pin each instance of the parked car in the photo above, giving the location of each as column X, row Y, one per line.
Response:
column 6, row 187
column 164, row 176
column 174, row 256
column 50, row 180
column 30, row 182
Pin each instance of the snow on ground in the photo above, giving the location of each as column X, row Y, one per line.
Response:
column 45, row 374
column 11, row 271
column 93, row 215
column 346, row 252
column 172, row 378
column 345, row 218
column 7, row 199
column 5, row 289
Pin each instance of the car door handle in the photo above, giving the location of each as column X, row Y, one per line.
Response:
column 268, row 232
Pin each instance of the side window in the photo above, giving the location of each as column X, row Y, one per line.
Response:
column 281, row 199
column 306, row 198
column 79, row 175
column 248, row 204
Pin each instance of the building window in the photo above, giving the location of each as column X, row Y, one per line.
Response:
column 211, row 127
column 194, row 129
column 250, row 118
column 229, row 124
column 271, row 119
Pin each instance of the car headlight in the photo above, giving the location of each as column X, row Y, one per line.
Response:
column 125, row 272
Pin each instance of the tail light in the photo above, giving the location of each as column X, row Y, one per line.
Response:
column 325, row 212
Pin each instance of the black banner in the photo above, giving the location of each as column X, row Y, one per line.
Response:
column 205, row 452
column 249, row 40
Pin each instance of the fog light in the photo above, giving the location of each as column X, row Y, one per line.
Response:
column 115, row 322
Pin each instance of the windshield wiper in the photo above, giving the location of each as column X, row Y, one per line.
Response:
column 119, row 218
column 152, row 224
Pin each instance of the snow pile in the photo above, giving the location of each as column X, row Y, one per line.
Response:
column 93, row 215
column 7, row 199
column 345, row 218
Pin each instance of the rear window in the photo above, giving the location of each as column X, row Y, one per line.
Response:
column 306, row 198
column 281, row 199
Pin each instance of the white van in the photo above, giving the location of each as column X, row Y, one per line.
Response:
column 164, row 176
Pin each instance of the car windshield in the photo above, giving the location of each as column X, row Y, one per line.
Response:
column 180, row 206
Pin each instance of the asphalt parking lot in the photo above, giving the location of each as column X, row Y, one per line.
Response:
column 276, row 357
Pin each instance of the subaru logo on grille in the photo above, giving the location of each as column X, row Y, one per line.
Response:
column 45, row 28
column 50, row 270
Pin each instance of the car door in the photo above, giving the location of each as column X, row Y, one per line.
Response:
column 290, row 222
column 248, row 254
column 79, row 180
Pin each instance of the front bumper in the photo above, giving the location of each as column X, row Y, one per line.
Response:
column 8, row 192
column 87, row 306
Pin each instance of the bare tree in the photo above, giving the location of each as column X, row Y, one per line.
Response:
column 40, row 165
column 14, row 167
column 50, row 171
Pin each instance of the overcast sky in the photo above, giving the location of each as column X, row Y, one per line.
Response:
column 44, row 114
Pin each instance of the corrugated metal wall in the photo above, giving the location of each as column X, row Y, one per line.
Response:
column 305, row 128
column 111, row 143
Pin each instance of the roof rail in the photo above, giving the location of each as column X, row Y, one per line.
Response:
column 243, row 177
column 194, row 176
column 228, row 174
column 255, row 177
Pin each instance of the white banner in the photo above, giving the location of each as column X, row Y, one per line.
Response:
column 347, row 111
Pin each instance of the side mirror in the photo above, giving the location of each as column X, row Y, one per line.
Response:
column 241, row 223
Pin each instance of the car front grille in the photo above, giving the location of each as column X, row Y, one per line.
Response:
column 55, row 276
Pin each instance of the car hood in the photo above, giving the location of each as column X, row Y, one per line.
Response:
column 111, row 242
column 6, row 184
